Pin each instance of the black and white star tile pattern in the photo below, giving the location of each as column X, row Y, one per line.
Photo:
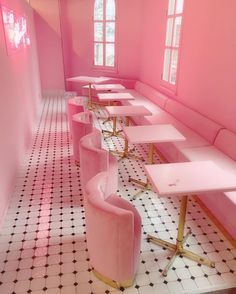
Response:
column 43, row 240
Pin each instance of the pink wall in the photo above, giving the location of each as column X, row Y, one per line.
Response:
column 77, row 35
column 207, row 64
column 19, row 99
column 48, row 33
column 153, row 36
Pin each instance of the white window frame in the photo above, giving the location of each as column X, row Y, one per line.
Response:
column 167, row 82
column 104, row 21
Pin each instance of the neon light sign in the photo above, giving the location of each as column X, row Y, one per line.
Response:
column 16, row 32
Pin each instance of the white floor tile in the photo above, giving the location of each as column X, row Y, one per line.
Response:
column 43, row 241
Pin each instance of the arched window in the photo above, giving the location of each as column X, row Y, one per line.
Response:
column 104, row 33
column 173, row 32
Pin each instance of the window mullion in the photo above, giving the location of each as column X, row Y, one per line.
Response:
column 173, row 28
column 171, row 45
column 106, row 46
column 104, row 32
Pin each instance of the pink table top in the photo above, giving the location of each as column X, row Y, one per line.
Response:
column 129, row 110
column 190, row 178
column 152, row 134
column 108, row 87
column 87, row 79
column 115, row 96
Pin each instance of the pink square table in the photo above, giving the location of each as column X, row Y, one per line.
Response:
column 88, row 79
column 127, row 112
column 111, row 98
column 151, row 134
column 124, row 111
column 91, row 81
column 108, row 87
column 183, row 179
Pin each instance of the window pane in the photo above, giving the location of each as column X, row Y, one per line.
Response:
column 171, row 8
column 98, row 54
column 110, row 32
column 177, row 28
column 169, row 30
column 110, row 10
column 173, row 67
column 110, row 54
column 166, row 65
column 179, row 6
column 98, row 10
column 98, row 31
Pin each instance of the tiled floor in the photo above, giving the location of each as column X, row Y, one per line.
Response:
column 43, row 241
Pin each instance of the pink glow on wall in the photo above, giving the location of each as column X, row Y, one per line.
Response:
column 19, row 99
column 16, row 31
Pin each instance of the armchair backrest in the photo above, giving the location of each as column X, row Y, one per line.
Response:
column 93, row 159
column 74, row 105
column 82, row 124
column 113, row 230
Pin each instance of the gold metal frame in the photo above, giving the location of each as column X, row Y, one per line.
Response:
column 178, row 248
column 145, row 185
column 91, row 105
column 126, row 153
column 110, row 103
column 112, row 283
column 114, row 131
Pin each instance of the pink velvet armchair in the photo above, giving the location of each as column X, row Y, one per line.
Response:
column 94, row 159
column 75, row 105
column 82, row 124
column 113, row 230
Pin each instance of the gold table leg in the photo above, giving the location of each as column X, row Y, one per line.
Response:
column 108, row 119
column 181, row 239
column 91, row 106
column 145, row 185
column 126, row 153
column 114, row 131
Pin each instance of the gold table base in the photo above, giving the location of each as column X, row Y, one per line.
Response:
column 112, row 134
column 178, row 248
column 146, row 186
column 114, row 131
column 126, row 153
